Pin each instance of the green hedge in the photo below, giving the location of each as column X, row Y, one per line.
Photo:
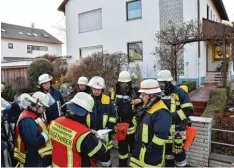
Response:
column 217, row 102
column 190, row 84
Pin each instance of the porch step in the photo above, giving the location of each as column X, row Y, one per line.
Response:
column 213, row 77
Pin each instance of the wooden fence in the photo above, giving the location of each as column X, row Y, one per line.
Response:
column 14, row 75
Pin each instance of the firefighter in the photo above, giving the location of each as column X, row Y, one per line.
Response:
column 153, row 127
column 103, row 116
column 83, row 85
column 123, row 97
column 74, row 144
column 54, row 111
column 6, row 136
column 180, row 108
column 67, row 91
column 32, row 144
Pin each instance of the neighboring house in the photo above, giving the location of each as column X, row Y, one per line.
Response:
column 20, row 45
column 130, row 26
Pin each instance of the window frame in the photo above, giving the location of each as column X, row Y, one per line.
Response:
column 130, row 58
column 127, row 10
column 29, row 51
column 10, row 47
column 87, row 12
column 80, row 49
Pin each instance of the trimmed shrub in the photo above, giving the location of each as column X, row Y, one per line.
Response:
column 37, row 68
column 217, row 102
column 190, row 84
column 11, row 90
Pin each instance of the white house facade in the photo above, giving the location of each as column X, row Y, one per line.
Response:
column 130, row 27
column 19, row 45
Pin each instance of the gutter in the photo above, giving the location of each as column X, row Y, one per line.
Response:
column 199, row 45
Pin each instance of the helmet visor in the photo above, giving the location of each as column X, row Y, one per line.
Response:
column 76, row 109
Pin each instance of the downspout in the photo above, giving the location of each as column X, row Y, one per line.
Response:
column 199, row 47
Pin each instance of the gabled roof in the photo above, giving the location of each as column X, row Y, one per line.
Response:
column 11, row 31
column 221, row 9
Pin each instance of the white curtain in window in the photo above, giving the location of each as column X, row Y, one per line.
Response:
column 86, row 51
column 91, row 20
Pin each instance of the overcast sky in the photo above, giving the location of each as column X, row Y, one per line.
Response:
column 44, row 14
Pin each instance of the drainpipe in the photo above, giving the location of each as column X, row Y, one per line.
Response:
column 199, row 47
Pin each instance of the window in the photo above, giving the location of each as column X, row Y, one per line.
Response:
column 134, row 10
column 208, row 11
column 10, row 45
column 29, row 34
column 30, row 48
column 214, row 17
column 135, row 51
column 21, row 33
column 87, row 51
column 90, row 21
column 210, row 15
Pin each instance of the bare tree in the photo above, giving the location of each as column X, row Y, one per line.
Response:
column 61, row 27
column 98, row 64
column 171, row 42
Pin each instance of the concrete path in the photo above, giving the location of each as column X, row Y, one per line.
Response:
column 201, row 94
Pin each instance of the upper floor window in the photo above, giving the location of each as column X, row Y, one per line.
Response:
column 30, row 48
column 10, row 45
column 211, row 15
column 134, row 9
column 135, row 50
column 90, row 21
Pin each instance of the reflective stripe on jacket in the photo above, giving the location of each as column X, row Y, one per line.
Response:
column 66, row 136
column 20, row 144
column 103, row 116
column 151, row 137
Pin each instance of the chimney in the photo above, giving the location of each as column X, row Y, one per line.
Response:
column 32, row 25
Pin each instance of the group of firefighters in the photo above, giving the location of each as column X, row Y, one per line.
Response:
column 82, row 131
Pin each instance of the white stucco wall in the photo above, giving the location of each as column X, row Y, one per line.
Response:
column 116, row 31
column 20, row 48
column 191, row 50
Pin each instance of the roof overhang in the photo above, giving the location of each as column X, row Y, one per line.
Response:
column 62, row 6
column 15, row 64
column 221, row 9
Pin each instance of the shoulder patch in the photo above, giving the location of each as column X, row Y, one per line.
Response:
column 105, row 99
column 159, row 105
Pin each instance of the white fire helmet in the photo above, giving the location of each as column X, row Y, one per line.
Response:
column 124, row 76
column 164, row 76
column 44, row 78
column 82, row 80
column 39, row 98
column 97, row 82
column 83, row 100
column 150, row 86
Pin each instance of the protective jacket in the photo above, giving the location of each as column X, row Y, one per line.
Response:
column 151, row 135
column 73, row 144
column 32, row 147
